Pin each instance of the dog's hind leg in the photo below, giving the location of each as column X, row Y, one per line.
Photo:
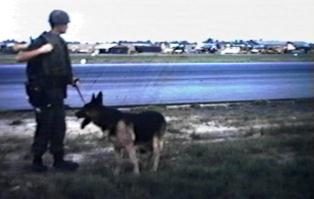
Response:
column 158, row 145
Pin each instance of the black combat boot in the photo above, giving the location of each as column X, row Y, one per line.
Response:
column 38, row 165
column 64, row 165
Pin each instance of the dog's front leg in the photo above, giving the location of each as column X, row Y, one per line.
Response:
column 125, row 138
column 118, row 160
column 132, row 155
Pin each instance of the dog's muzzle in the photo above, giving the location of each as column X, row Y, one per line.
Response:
column 80, row 114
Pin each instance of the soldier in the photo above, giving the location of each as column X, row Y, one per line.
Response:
column 49, row 72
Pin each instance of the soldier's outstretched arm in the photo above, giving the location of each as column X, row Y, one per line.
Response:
column 24, row 56
column 20, row 47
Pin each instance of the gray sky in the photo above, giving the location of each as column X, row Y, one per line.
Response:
column 193, row 20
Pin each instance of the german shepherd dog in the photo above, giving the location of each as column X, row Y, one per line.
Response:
column 130, row 132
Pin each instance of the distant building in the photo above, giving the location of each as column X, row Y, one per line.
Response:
column 141, row 46
column 206, row 47
column 111, row 48
column 148, row 49
column 231, row 50
column 297, row 46
column 243, row 45
column 2, row 45
column 255, row 46
column 174, row 47
column 273, row 47
column 119, row 49
column 76, row 47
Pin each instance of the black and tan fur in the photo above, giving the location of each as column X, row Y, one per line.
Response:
column 127, row 131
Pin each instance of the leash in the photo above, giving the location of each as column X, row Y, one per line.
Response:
column 79, row 92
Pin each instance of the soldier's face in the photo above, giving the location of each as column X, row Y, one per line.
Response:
column 62, row 28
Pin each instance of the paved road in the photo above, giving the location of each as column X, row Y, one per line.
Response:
column 138, row 84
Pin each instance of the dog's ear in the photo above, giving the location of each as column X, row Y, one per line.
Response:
column 99, row 98
column 93, row 98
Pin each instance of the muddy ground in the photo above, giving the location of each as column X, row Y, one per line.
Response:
column 188, row 124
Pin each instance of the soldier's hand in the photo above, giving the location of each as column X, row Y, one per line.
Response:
column 75, row 81
column 19, row 47
column 45, row 48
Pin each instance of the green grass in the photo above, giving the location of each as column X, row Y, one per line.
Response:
column 184, row 58
column 276, row 165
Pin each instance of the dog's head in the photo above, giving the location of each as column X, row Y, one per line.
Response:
column 90, row 110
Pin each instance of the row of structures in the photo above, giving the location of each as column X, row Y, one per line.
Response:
column 178, row 47
column 220, row 47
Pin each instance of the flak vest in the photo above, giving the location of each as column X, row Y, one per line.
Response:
column 56, row 65
column 48, row 71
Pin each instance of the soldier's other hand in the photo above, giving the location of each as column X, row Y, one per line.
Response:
column 46, row 48
column 19, row 47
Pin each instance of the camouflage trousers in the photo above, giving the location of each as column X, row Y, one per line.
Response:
column 51, row 127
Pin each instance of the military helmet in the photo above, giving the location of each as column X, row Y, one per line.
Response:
column 58, row 17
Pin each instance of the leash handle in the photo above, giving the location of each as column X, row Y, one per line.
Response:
column 79, row 91
column 75, row 81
